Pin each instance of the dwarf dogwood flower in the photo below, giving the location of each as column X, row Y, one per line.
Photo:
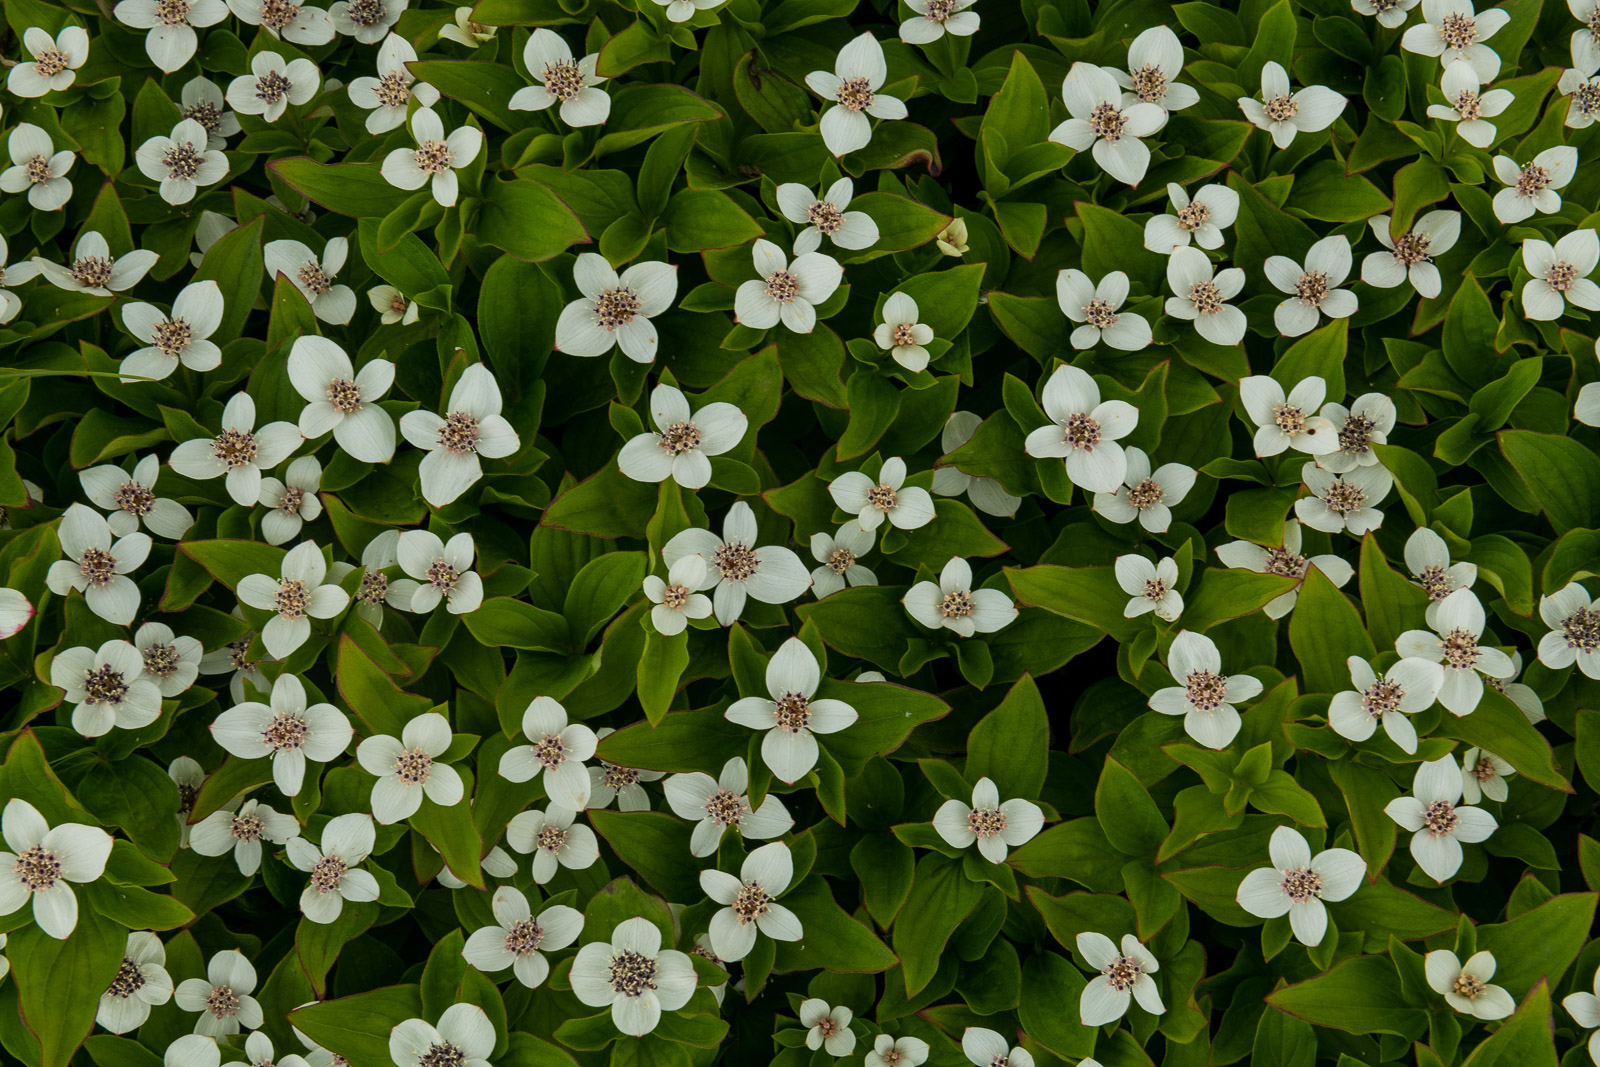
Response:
column 286, row 731
column 1124, row 977
column 1357, row 428
column 714, row 804
column 1343, row 501
column 142, row 982
column 561, row 79
column 675, row 599
column 1155, row 58
column 992, row 825
column 202, row 100
column 750, row 902
column 96, row 566
column 301, row 591
column 1102, row 123
column 520, row 939
column 558, row 749
column 392, row 305
column 684, row 10
column 1095, row 306
column 336, row 877
column 38, row 169
column 1437, row 820
column 292, row 502
column 1560, row 274
column 15, row 274
column 472, row 426
column 737, row 568
column 1455, row 33
column 465, row 31
column 932, row 19
column 1428, row 559
column 1468, row 109
column 1148, row 497
column 182, row 161
column 633, row 976
column 1410, row 686
column 793, row 714
column 1484, row 774
column 497, row 863
column 386, row 97
column 131, row 499
column 1202, row 297
column 1584, row 1008
column 223, row 997
column 952, row 240
column 314, row 277
column 1287, row 421
column 1574, row 635
column 195, row 1050
column 441, row 572
column 1389, row 13
column 1410, row 257
column 171, row 41
column 889, row 498
column 272, row 85
column 188, row 776
column 286, row 20
column 55, row 61
column 986, row 494
column 1152, row 586
column 608, row 781
column 1313, row 291
column 1582, row 90
column 1466, row 986
column 1083, row 431
column 858, row 73
column 1311, row 110
column 1455, row 644
column 825, row 215
column 786, row 292
column 170, row 663
column 616, row 310
column 463, row 1038
column 436, row 158
column 1204, row 695
column 240, row 829
column 234, row 658
column 408, row 766
column 258, row 1052
column 1201, row 220
column 953, row 604
column 553, row 839
column 1533, row 187
column 839, row 555
column 38, row 861
column 829, row 1028
column 684, row 441
column 107, row 687
column 889, row 1051
column 211, row 229
column 94, row 269
column 1285, row 561
column 183, row 336
column 1297, row 883
column 901, row 335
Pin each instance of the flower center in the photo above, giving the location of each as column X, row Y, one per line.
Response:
column 1155, row 590
column 1194, row 216
column 523, row 937
column 1484, row 769
column 1147, row 494
column 893, row 1057
column 1344, row 497
column 398, row 304
column 442, row 577
column 827, row 1027
column 314, row 278
column 881, row 497
column 272, row 87
column 957, row 605
column 291, row 598
column 327, row 873
column 725, row 807
column 413, row 766
column 187, row 795
column 91, row 272
column 442, row 1054
column 246, row 827
column 394, row 89
column 1205, row 690
column 1561, row 276
column 1460, row 649
column 1149, row 83
column 222, row 1002
column 616, row 307
column 824, row 216
column 1100, row 314
column 1122, row 972
column 551, row 839
column 1586, row 98
column 1465, row 985
column 614, row 777
column 37, row 869
column 855, row 94
column 904, row 335
column 1355, row 436
column 551, row 751
column 678, row 438
column 1081, row 431
column 735, row 561
column 782, row 286
column 129, row 980
column 433, row 157
column 236, row 655
column 751, row 903
column 1440, row 818
column 841, row 560
column 675, row 597
column 104, row 685
column 50, row 62
column 374, row 588
column 986, row 822
column 793, row 712
column 171, row 337
column 1436, row 581
column 563, row 79
column 1312, row 288
column 135, row 499
column 1467, row 105
column 172, row 12
column 1582, row 629
column 293, row 497
column 631, row 973
column 1412, row 248
column 278, row 14
column 1535, row 178
column 207, row 114
column 1302, row 884
column 939, row 10
column 1206, row 297
column 1280, row 108
column 285, row 732
column 1107, row 121
column 182, row 162
column 1459, row 31
column 366, row 12
column 1382, row 698
column 1289, row 419
column 459, row 434
column 1594, row 22
column 38, row 170
column 97, row 566
column 160, row 661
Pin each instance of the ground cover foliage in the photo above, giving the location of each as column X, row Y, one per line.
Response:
column 1064, row 542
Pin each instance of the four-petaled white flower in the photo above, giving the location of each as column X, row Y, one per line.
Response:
column 1313, row 291
column 142, row 982
column 272, row 85
column 1124, row 977
column 1151, row 587
column 1297, row 883
column 1466, row 986
column 888, row 498
column 829, row 1028
column 634, row 976
column 1454, row 643
column 1204, row 696
column 94, row 269
column 300, row 591
column 840, row 554
column 240, row 452
column 1410, row 686
column 1586, row 41
column 182, row 161
column 901, row 335
column 684, row 440
column 1390, row 14
column 825, row 215
column 932, row 19
column 1201, row 219
column 471, row 427
column 675, row 599
column 1428, row 559
column 786, row 292
column 1095, row 306
column 1574, row 635
column 1201, row 294
column 1155, row 58
column 1287, row 421
column 37, row 168
column 171, row 41
column 561, row 79
column 436, row 158
column 387, row 96
column 465, row 31
column 55, row 61
column 952, row 603
column 553, row 839
column 1083, row 431
column 234, row 658
column 558, row 749
column 189, row 777
column 714, row 804
column 314, row 277
column 1410, row 256
column 737, row 568
column 183, row 336
column 1145, row 495
column 259, row 1052
column 107, row 688
column 791, row 714
column 1534, row 186
column 131, row 499
column 992, row 825
column 96, row 566
column 408, row 766
column 286, row 20
column 889, row 1051
column 1343, row 501
column 986, row 494
column 521, row 939
column 1584, row 1008
column 292, row 502
column 615, row 310
column 1356, row 429
column 334, row 867
column 1311, row 110
column 286, row 731
column 222, row 997
column 464, row 1038
column 1484, row 774
column 171, row 663
column 39, row 860
column 393, row 306
column 750, row 902
column 1468, row 109
column 1437, row 820
column 610, row 781
column 439, row 571
column 10, row 304
column 240, row 829
column 1455, row 33
column 858, row 73
column 368, row 21
column 1102, row 123
column 202, row 100
column 1560, row 273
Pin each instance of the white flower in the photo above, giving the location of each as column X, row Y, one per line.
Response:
column 182, row 161
column 1202, row 298
column 97, row 567
column 935, row 18
column 1455, row 644
column 131, row 499
column 240, row 452
column 1583, row 90
column 141, row 983
column 286, row 731
column 212, row 228
column 408, row 766
column 902, row 1052
column 1155, row 58
column 1455, row 33
column 15, row 274
column 1484, row 774
column 785, row 291
column 171, row 41
column 992, row 825
column 386, row 97
column 1357, row 428
column 792, row 715
column 737, row 568
column 1468, row 109
column 1574, row 635
column 170, row 339
column 558, row 749
column 1410, row 686
column 1584, row 1008
column 292, row 502
column 685, row 440
column 272, row 85
column 859, row 72
column 1152, row 587
column 392, row 305
column 41, row 861
column 55, row 61
column 368, row 21
column 259, row 1052
column 1148, row 497
column 376, row 589
column 1124, row 976
column 171, row 663
column 107, row 687
column 347, row 841
column 1096, row 307
column 442, row 572
column 520, row 936
column 37, row 168
column 1437, row 820
column 497, row 863
column 286, row 20
column 952, row 240
column 313, row 277
column 1287, row 421
column 561, row 79
column 616, row 310
column 465, row 31
column 16, row 611
column 749, row 902
column 633, row 976
column 222, row 997
column 828, row 1028
column 1083, row 431
column 1297, row 883
column 1311, row 110
column 1411, row 257
column 825, row 215
column 675, row 599
column 901, row 335
column 1390, row 13
column 233, row 657
column 240, row 829
column 1204, row 696
column 94, row 269
column 342, row 400
column 1560, row 274
column 1201, row 220
column 1466, row 987
column 1103, row 123
column 1428, row 559
column 202, row 100
column 986, row 494
column 436, row 158
column 192, row 1050
column 953, row 604
column 472, row 426
column 683, row 10
column 888, row 498
column 1343, row 501
column 1526, row 700
column 1533, row 187
column 839, row 555
column 188, row 776
column 554, row 840
column 301, row 591
column 463, row 1038
column 714, row 804
column 1313, row 291
column 609, row 781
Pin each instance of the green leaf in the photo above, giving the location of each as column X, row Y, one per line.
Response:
column 1325, row 630
column 1361, row 995
column 941, row 897
column 1562, row 475
column 992, row 749
column 53, row 978
column 528, row 221
column 354, row 189
column 699, row 220
column 1524, row 1040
